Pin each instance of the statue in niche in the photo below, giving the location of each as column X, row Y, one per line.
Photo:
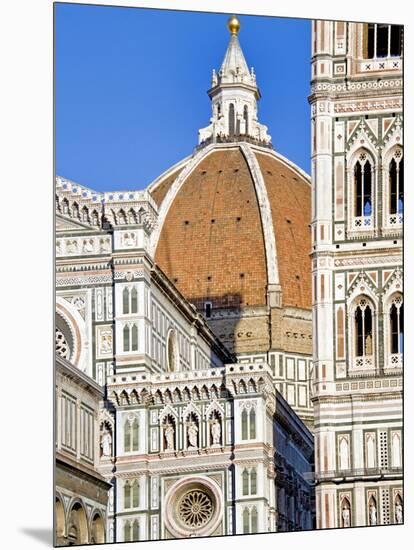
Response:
column 398, row 512
column 346, row 516
column 372, row 514
column 106, row 444
column 106, row 343
column 216, row 432
column 169, row 437
column 192, row 435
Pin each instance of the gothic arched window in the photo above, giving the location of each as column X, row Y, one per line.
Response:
column 127, row 531
column 254, row 520
column 134, row 337
column 125, row 300
column 127, row 495
column 396, row 319
column 134, row 300
column 246, row 521
column 135, row 530
column 131, row 435
column 244, row 424
column 363, row 191
column 252, row 424
column 232, row 121
column 363, row 329
column 245, row 477
column 126, row 339
column 396, row 188
column 253, row 481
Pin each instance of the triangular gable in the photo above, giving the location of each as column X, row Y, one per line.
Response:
column 373, row 275
column 385, row 276
column 351, row 278
column 386, row 125
column 352, row 124
column 373, row 126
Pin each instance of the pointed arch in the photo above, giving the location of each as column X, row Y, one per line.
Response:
column 75, row 210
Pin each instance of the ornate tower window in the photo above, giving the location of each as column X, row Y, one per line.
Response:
column 249, row 482
column 362, row 333
column 130, row 337
column 131, row 428
column 131, row 494
column 396, row 332
column 382, row 40
column 363, row 202
column 129, row 300
column 396, row 189
column 250, row 520
column 248, row 423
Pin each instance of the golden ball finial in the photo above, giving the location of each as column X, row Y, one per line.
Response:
column 233, row 24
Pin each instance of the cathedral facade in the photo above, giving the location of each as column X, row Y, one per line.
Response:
column 358, row 311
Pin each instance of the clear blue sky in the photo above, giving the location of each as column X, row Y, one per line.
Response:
column 131, row 88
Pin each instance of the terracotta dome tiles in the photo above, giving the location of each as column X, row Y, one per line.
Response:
column 290, row 199
column 211, row 244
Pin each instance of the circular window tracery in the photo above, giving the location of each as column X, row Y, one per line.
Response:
column 195, row 508
column 62, row 346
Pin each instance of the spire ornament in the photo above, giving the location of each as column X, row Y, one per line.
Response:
column 233, row 24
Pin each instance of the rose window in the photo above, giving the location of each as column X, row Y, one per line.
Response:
column 62, row 347
column 195, row 508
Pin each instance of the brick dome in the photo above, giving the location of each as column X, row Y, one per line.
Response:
column 234, row 222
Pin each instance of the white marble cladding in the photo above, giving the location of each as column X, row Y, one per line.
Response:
column 383, row 64
column 213, row 374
